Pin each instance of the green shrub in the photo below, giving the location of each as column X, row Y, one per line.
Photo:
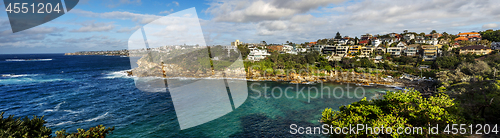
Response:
column 34, row 128
column 93, row 132
column 23, row 128
column 396, row 109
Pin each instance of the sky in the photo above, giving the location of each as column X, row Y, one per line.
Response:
column 108, row 24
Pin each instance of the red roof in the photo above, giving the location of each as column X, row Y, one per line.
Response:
column 364, row 42
column 461, row 38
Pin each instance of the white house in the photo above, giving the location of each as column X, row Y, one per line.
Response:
column 419, row 39
column 257, row 54
column 432, row 41
column 395, row 51
column 376, row 42
column 401, row 44
column 409, row 36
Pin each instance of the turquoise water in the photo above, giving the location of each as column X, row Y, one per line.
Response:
column 264, row 113
column 84, row 91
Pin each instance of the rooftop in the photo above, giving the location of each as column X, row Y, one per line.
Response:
column 475, row 47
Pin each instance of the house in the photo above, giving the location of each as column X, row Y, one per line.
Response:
column 236, row 43
column 409, row 37
column 495, row 45
column 401, row 44
column 388, row 41
column 367, row 51
column 329, row 50
column 341, row 50
column 377, row 59
column 429, row 53
column 343, row 41
column 379, row 50
column 419, row 39
column 412, row 50
column 376, row 42
column 434, row 35
column 454, row 45
column 475, row 49
column 318, row 48
column 439, row 46
column 394, row 35
column 366, row 37
column 354, row 49
column 257, row 54
column 432, row 41
column 461, row 38
column 312, row 43
column 470, row 36
column 364, row 42
column 289, row 49
column 444, row 41
column 395, row 51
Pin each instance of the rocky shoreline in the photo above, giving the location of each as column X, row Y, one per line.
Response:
column 363, row 79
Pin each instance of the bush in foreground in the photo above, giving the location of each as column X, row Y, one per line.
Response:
column 397, row 109
column 34, row 128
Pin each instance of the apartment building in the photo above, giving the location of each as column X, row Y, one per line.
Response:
column 429, row 53
column 476, row 49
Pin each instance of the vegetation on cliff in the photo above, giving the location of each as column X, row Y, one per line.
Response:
column 397, row 109
column 467, row 93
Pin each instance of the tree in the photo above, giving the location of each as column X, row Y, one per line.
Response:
column 26, row 127
column 493, row 36
column 338, row 36
column 243, row 50
column 433, row 32
column 422, row 34
column 397, row 109
column 445, row 47
column 356, row 40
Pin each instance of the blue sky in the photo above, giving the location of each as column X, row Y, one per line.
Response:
column 107, row 24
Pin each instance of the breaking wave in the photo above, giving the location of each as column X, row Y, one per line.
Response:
column 28, row 59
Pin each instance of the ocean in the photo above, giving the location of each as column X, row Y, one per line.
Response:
column 85, row 91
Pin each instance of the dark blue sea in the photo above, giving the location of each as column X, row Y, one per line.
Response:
column 84, row 91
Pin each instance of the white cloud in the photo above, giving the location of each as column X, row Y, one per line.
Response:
column 176, row 3
column 490, row 26
column 260, row 10
column 274, row 25
column 299, row 20
column 167, row 11
column 140, row 18
column 95, row 27
column 128, row 30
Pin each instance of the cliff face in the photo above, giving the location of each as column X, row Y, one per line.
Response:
column 192, row 63
column 152, row 69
